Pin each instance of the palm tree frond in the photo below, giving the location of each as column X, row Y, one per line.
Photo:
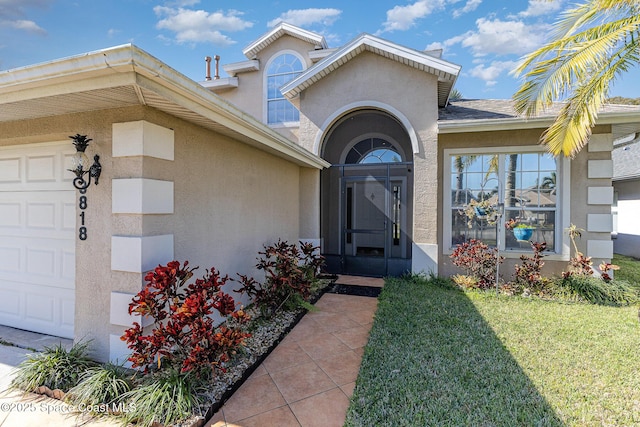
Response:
column 595, row 42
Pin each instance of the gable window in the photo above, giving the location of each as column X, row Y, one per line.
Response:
column 282, row 70
column 527, row 184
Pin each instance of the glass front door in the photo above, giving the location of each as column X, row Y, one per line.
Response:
column 365, row 226
column 373, row 223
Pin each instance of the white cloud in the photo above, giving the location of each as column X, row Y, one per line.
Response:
column 304, row 17
column 490, row 73
column 469, row 7
column 541, row 7
column 25, row 25
column 12, row 12
column 404, row 17
column 16, row 8
column 197, row 26
column 501, row 37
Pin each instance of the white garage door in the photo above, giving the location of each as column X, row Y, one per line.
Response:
column 37, row 238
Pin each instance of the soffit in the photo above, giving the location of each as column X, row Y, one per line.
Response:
column 479, row 115
column 140, row 80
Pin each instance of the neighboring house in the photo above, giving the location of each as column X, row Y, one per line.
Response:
column 626, row 187
column 352, row 148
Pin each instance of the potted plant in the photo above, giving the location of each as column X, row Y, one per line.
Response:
column 522, row 232
column 481, row 210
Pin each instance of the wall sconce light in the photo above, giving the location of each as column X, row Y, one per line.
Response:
column 80, row 163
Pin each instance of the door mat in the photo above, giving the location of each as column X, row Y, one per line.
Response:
column 362, row 291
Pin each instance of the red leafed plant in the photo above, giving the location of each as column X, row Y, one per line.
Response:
column 605, row 268
column 478, row 260
column 289, row 273
column 529, row 273
column 184, row 335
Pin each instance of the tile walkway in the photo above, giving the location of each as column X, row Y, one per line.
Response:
column 306, row 381
column 309, row 377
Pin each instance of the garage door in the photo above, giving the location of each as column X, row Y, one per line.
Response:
column 37, row 238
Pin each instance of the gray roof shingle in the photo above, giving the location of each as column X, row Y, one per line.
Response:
column 626, row 161
column 484, row 109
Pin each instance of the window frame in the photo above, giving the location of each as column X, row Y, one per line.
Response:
column 563, row 206
column 265, row 90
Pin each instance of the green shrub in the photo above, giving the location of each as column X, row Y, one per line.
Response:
column 100, row 385
column 165, row 397
column 55, row 367
column 596, row 291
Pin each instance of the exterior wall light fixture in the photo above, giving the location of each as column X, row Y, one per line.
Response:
column 80, row 164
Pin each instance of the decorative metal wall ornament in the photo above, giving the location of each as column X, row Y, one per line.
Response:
column 80, row 163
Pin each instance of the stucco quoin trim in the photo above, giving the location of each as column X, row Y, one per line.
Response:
column 141, row 196
column 138, row 254
column 354, row 106
column 142, row 138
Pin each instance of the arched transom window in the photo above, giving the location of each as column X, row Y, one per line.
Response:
column 373, row 150
column 282, row 70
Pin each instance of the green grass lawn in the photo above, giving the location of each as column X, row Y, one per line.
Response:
column 439, row 356
column 629, row 269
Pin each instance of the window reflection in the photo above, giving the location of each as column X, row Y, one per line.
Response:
column 529, row 195
column 282, row 70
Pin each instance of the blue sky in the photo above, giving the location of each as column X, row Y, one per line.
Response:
column 485, row 37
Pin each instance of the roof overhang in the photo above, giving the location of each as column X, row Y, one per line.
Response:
column 623, row 123
column 280, row 30
column 236, row 68
column 446, row 72
column 125, row 76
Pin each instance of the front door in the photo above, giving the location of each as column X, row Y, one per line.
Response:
column 373, row 219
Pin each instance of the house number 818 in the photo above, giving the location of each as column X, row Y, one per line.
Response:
column 82, row 204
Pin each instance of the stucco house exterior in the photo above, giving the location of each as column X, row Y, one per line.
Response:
column 356, row 149
column 626, row 187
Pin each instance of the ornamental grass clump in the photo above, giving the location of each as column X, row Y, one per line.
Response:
column 55, row 367
column 101, row 388
column 165, row 397
column 580, row 287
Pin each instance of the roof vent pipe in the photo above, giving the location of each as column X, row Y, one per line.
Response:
column 207, row 59
column 217, row 75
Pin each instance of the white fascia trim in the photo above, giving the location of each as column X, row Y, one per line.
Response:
column 241, row 67
column 127, row 64
column 449, row 71
column 280, row 30
column 563, row 209
column 489, row 125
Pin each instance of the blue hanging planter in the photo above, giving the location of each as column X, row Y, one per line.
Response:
column 480, row 212
column 523, row 234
